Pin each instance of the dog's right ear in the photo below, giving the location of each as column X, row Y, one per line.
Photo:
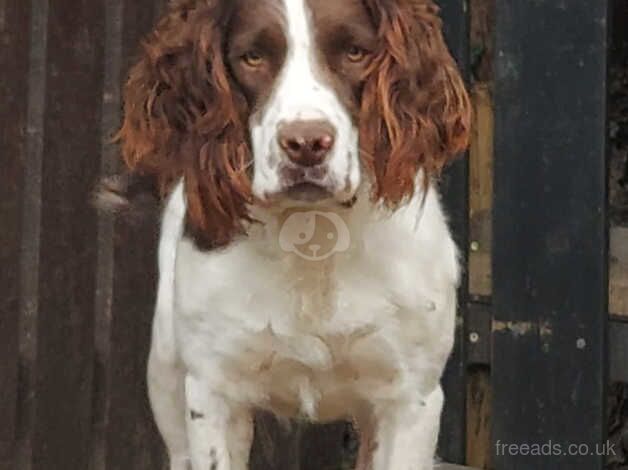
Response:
column 132, row 196
column 184, row 118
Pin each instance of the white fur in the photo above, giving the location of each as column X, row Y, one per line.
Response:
column 300, row 94
column 362, row 332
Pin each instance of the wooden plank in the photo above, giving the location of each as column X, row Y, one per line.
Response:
column 31, row 229
column 479, row 394
column 131, row 439
column 479, row 337
column 134, row 288
column 61, row 433
column 275, row 446
column 479, row 410
column 618, row 271
column 329, row 446
column 481, row 193
column 618, row 341
column 14, row 21
column 482, row 18
column 455, row 195
column 110, row 121
column 302, row 446
column 549, row 251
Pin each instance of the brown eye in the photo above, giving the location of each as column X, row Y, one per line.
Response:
column 356, row 54
column 252, row 59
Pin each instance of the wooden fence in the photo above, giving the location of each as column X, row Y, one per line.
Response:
column 77, row 289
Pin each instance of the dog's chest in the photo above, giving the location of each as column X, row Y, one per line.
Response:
column 297, row 338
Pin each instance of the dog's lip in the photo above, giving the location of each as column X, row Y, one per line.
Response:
column 307, row 192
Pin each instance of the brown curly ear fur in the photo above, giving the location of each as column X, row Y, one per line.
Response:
column 183, row 118
column 415, row 109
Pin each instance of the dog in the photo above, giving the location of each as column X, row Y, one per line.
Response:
column 306, row 265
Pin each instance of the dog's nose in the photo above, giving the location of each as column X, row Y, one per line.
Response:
column 306, row 143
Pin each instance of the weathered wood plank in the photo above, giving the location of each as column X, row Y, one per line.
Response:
column 618, row 346
column 328, row 446
column 276, row 445
column 64, row 364
column 110, row 121
column 134, row 287
column 14, row 21
column 139, row 19
column 131, row 439
column 479, row 402
column 455, row 195
column 618, row 271
column 31, row 228
column 550, row 282
column 479, row 410
column 481, row 193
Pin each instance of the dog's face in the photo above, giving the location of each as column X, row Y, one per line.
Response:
column 273, row 102
column 302, row 64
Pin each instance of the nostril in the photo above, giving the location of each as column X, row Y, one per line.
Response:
column 306, row 143
column 323, row 144
column 291, row 144
column 295, row 145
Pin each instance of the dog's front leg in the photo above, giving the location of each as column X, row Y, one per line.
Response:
column 207, row 422
column 407, row 434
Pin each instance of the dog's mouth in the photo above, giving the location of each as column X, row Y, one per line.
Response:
column 307, row 192
column 305, row 184
column 311, row 186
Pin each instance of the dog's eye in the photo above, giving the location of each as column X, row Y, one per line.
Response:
column 252, row 59
column 356, row 54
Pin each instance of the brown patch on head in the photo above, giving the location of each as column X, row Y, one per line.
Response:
column 257, row 47
column 187, row 106
column 345, row 38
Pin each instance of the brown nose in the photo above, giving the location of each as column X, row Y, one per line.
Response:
column 306, row 143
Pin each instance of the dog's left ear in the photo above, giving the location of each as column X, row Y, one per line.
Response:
column 416, row 112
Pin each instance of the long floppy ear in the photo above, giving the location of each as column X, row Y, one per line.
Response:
column 182, row 118
column 415, row 110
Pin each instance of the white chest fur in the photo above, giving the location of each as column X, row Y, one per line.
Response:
column 273, row 330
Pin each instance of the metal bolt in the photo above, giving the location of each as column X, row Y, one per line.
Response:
column 475, row 246
column 474, row 337
column 581, row 343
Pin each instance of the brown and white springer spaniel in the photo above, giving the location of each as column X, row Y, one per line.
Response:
column 306, row 267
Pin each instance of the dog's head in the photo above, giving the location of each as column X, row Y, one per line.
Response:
column 273, row 102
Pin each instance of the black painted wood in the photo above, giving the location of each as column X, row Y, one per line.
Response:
column 455, row 185
column 13, row 89
column 64, row 360
column 131, row 439
column 550, row 241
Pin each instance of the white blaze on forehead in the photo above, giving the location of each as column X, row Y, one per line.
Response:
column 300, row 81
column 298, row 22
